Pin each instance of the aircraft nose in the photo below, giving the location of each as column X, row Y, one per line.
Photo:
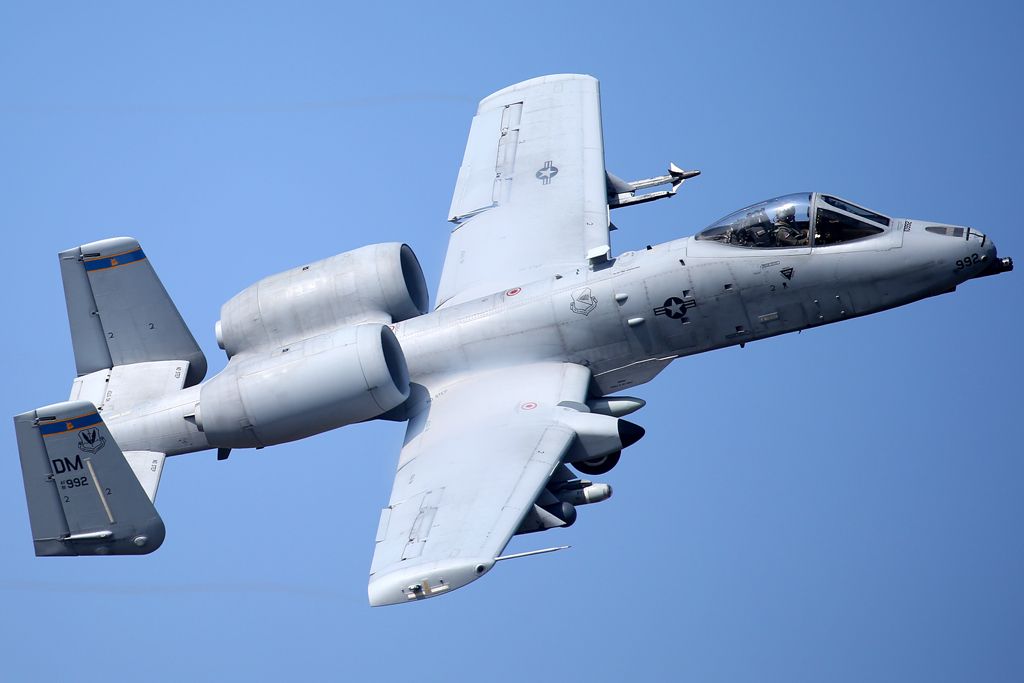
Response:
column 984, row 259
column 989, row 247
column 994, row 265
column 970, row 252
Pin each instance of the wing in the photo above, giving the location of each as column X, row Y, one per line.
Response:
column 477, row 455
column 531, row 197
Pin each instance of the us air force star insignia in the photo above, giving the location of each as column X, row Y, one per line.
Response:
column 675, row 307
column 547, row 172
column 90, row 441
column 583, row 301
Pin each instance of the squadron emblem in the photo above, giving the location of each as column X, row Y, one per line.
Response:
column 90, row 441
column 583, row 301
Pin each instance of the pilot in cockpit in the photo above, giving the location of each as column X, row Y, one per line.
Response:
column 753, row 230
column 787, row 233
column 783, row 222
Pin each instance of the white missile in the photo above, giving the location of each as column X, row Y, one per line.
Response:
column 593, row 493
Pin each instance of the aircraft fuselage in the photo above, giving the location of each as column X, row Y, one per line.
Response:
column 628, row 318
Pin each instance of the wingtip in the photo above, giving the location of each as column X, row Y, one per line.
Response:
column 425, row 581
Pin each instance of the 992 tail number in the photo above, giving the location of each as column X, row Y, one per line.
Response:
column 73, row 482
column 967, row 262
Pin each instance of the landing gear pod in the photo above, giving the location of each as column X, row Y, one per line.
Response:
column 599, row 440
column 83, row 498
column 598, row 466
column 544, row 517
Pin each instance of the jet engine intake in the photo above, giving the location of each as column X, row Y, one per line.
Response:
column 354, row 374
column 380, row 283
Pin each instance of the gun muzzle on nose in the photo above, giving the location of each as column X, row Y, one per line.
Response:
column 997, row 266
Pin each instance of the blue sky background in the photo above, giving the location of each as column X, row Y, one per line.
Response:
column 840, row 505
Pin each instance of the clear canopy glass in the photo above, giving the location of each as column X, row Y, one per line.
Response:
column 787, row 221
column 781, row 222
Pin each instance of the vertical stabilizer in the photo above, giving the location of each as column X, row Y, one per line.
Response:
column 83, row 498
column 119, row 311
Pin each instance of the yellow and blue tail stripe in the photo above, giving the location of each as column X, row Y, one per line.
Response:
column 71, row 424
column 114, row 260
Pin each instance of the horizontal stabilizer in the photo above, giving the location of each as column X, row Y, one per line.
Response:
column 147, row 466
column 121, row 388
column 83, row 498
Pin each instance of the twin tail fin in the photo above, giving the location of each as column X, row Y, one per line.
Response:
column 83, row 497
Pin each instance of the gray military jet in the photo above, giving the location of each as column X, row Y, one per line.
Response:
column 508, row 385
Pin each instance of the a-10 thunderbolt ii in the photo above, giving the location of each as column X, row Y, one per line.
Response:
column 508, row 385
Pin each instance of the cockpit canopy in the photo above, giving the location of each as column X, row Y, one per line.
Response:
column 796, row 220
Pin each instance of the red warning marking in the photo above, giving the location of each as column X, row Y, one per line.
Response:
column 513, row 291
column 529, row 405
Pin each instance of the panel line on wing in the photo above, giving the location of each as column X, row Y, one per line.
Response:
column 508, row 144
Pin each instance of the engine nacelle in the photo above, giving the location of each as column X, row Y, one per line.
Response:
column 353, row 374
column 380, row 283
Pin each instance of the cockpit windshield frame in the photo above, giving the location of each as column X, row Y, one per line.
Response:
column 858, row 211
column 792, row 222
